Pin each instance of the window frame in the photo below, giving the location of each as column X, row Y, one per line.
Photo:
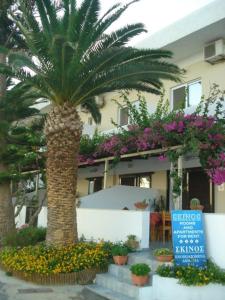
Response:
column 119, row 116
column 186, row 85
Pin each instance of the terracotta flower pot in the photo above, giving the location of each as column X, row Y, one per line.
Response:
column 141, row 206
column 120, row 260
column 139, row 280
column 198, row 207
column 164, row 258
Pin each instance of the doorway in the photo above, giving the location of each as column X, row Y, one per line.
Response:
column 196, row 184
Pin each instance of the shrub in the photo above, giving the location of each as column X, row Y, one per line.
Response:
column 190, row 275
column 119, row 250
column 162, row 251
column 42, row 259
column 140, row 269
column 132, row 243
column 25, row 237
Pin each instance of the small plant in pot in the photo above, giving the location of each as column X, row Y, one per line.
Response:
column 120, row 254
column 163, row 254
column 140, row 274
column 195, row 204
column 132, row 243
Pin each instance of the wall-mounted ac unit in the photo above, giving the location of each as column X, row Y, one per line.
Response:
column 214, row 51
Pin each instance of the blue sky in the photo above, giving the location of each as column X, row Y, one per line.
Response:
column 155, row 14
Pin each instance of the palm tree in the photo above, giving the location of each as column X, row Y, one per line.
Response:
column 76, row 60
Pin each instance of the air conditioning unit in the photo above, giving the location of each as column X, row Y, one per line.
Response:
column 214, row 51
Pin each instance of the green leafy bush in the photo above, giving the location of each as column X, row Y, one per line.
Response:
column 119, row 250
column 190, row 275
column 162, row 251
column 25, row 237
column 140, row 269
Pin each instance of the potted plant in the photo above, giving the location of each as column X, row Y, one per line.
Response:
column 140, row 274
column 132, row 243
column 195, row 204
column 163, row 254
column 120, row 254
column 142, row 205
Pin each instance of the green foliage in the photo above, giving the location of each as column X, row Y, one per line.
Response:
column 132, row 243
column 119, row 250
column 140, row 269
column 193, row 275
column 90, row 144
column 163, row 251
column 25, row 237
column 194, row 202
column 77, row 59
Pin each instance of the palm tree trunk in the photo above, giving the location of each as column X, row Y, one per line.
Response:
column 63, row 130
column 7, row 222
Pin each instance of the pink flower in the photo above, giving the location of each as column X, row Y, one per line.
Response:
column 218, row 176
column 147, row 130
column 162, row 157
column 124, row 150
column 171, row 126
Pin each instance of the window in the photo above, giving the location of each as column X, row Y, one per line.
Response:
column 186, row 95
column 123, row 116
column 139, row 180
column 95, row 184
column 90, row 121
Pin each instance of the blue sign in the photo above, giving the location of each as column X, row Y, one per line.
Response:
column 188, row 238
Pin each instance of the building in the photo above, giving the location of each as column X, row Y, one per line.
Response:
column 197, row 42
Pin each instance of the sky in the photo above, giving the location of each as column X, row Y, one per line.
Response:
column 155, row 14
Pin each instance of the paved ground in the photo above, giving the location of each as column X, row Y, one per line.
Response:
column 15, row 289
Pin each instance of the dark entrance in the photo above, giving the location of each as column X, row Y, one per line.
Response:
column 196, row 184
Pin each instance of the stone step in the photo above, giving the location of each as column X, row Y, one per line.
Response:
column 135, row 258
column 121, row 272
column 122, row 286
column 97, row 292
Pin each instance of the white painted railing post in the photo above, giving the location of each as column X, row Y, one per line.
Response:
column 180, row 174
column 106, row 173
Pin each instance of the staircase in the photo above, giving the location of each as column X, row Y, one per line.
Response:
column 116, row 284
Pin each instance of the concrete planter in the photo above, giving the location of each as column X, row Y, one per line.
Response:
column 172, row 290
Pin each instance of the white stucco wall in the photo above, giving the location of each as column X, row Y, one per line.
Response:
column 215, row 238
column 20, row 219
column 110, row 225
column 169, row 289
column 113, row 225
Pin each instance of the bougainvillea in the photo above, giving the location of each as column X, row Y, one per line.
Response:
column 198, row 133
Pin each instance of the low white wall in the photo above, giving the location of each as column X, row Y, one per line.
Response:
column 169, row 289
column 113, row 225
column 215, row 238
column 20, row 219
column 110, row 225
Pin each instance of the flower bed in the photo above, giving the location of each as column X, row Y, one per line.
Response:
column 48, row 265
column 193, row 275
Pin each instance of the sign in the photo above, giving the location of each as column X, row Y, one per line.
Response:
column 188, row 238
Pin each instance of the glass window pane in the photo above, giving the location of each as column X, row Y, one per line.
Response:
column 145, row 181
column 194, row 93
column 179, row 96
column 124, row 116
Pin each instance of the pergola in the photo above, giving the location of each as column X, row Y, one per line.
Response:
column 175, row 202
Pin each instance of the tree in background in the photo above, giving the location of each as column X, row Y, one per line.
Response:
column 76, row 60
column 9, row 38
